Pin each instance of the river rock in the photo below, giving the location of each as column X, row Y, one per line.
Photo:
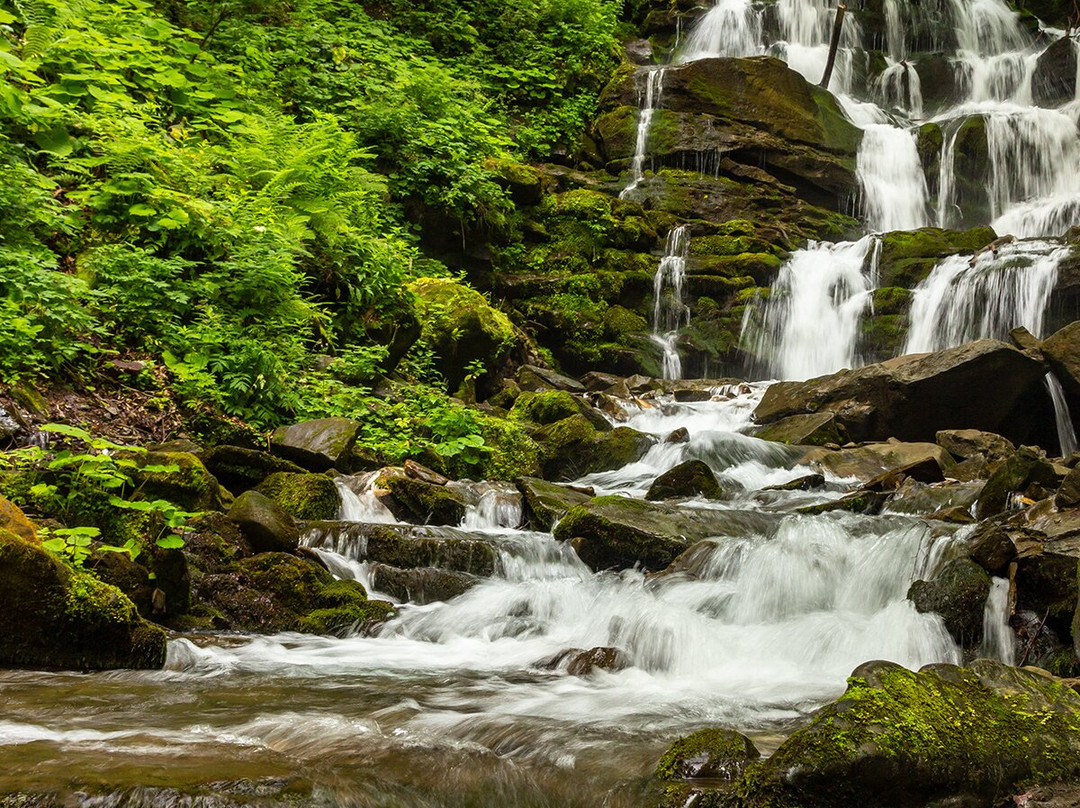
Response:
column 715, row 754
column 187, row 484
column 812, row 429
column 421, row 585
column 1054, row 80
column 1027, row 467
column 985, row 385
column 926, row 462
column 966, row 443
column 15, row 521
column 535, row 379
column 421, row 502
column 690, row 479
column 617, row 532
column 897, row 739
column 546, row 503
column 601, row 658
column 53, row 617
column 266, row 524
column 303, row 496
column 545, row 407
column 240, row 469
column 574, row 447
column 991, row 547
column 406, row 546
column 908, row 256
column 1062, row 352
column 318, row 445
column 1068, row 494
column 958, row 593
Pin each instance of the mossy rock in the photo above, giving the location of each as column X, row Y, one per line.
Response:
column 958, row 593
column 240, row 469
column 1026, row 467
column 304, row 496
column 693, row 478
column 891, row 300
column 619, row 321
column 573, row 447
column 513, row 452
column 15, row 521
column 191, row 486
column 318, row 445
column 708, row 753
column 422, row 502
column 546, row 503
column 53, row 617
column 524, row 182
column 409, row 547
column 421, row 585
column 811, row 429
column 900, row 738
column 545, row 407
column 908, row 256
column 265, row 524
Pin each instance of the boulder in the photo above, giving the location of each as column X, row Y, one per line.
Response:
column 546, row 503
column 318, row 445
column 535, row 379
column 811, row 429
column 303, row 496
column 545, row 407
column 1027, row 467
column 187, row 483
column 1068, row 494
column 693, row 478
column 986, row 385
column 422, row 502
column 924, row 500
column 617, row 532
column 908, row 256
column 1062, row 352
column 13, row 520
column 240, row 469
column 807, row 482
column 407, row 546
column 991, row 547
column 958, row 593
column 573, row 447
column 926, row 462
column 714, row 754
column 967, row 443
column 265, row 524
column 897, row 738
column 420, row 585
column 601, row 658
column 1054, row 80
column 53, row 617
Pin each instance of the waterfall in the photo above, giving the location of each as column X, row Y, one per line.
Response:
column 810, row 323
column 654, row 88
column 999, row 641
column 964, row 298
column 363, row 506
column 1066, row 432
column 900, row 88
column 730, row 28
column 892, row 180
column 670, row 313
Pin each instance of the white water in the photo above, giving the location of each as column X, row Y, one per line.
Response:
column 1066, row 431
column 654, row 89
column 365, row 505
column 729, row 28
column 999, row 640
column 670, row 313
column 961, row 301
column 810, row 323
column 892, row 180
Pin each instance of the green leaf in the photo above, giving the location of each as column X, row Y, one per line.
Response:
column 66, row 429
column 55, row 545
column 170, row 542
column 55, row 141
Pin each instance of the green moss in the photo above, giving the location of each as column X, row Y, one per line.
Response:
column 891, row 300
column 720, row 752
column 544, row 408
column 190, row 486
column 908, row 256
column 304, row 496
column 513, row 452
column 619, row 321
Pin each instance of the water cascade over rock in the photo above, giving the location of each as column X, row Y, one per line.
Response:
column 669, row 310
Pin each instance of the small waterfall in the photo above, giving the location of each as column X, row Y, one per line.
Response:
column 1066, row 432
column 999, row 641
column 654, row 88
column 965, row 299
column 499, row 507
column 364, row 506
column 730, row 28
column 810, row 324
column 670, row 313
column 900, row 88
column 892, row 180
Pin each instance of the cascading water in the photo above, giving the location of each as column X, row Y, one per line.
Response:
column 1066, row 432
column 892, row 181
column 999, row 641
column 654, row 88
column 809, row 326
column 729, row 28
column 670, row 313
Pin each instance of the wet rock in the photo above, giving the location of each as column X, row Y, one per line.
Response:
column 617, row 532
column 53, row 617
column 214, row 542
column 1025, row 340
column 1062, row 352
column 546, row 407
column 240, row 469
column 719, row 754
column 536, row 379
column 922, row 500
column 265, row 524
column 1054, row 80
column 601, row 658
column 908, row 256
column 1027, row 467
column 597, row 382
column 811, row 429
column 318, row 445
column 690, row 479
column 546, row 503
column 964, row 444
column 188, row 483
column 406, row 546
column 986, row 385
column 807, row 483
column 422, row 502
column 958, row 593
column 870, row 503
column 926, row 462
column 303, row 496
column 1068, row 494
column 899, row 738
column 639, row 52
column 423, row 473
column 421, row 585
column 573, row 447
column 992, row 548
column 680, row 435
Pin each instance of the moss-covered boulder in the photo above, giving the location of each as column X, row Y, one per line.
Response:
column 809, row 429
column 273, row 592
column 546, row 407
column 463, row 328
column 899, row 738
column 265, row 524
column 573, row 447
column 304, row 496
column 958, row 593
column 13, row 520
column 187, row 483
column 1062, row 352
column 1027, row 467
column 908, row 256
column 719, row 754
column 546, row 503
column 407, row 546
column 422, row 502
column 693, row 478
column 421, row 585
column 240, row 469
column 318, row 445
column 57, row 618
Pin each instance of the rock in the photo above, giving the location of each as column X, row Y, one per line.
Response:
column 617, row 533
column 922, row 500
column 214, row 542
column 303, row 496
column 806, row 483
column 680, row 435
column 421, row 585
column 13, row 520
column 53, row 617
column 1025, row 340
column 908, row 256
column 715, row 754
column 604, row 659
column 986, row 385
column 964, row 444
column 422, row 502
column 573, row 447
column 866, row 502
column 273, row 592
column 639, row 52
column 958, row 593
column 524, row 182
column 1054, row 80
column 1062, row 352
column 812, row 429
column 1068, row 494
column 536, row 379
column 926, row 462
column 546, row 503
column 1026, row 467
column 545, row 408
column 117, row 569
column 189, row 485
column 463, row 328
column 407, row 546
column 690, row 479
column 240, row 469
column 596, row 382
column 318, row 445
column 897, row 738
column 265, row 524
column 423, row 473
